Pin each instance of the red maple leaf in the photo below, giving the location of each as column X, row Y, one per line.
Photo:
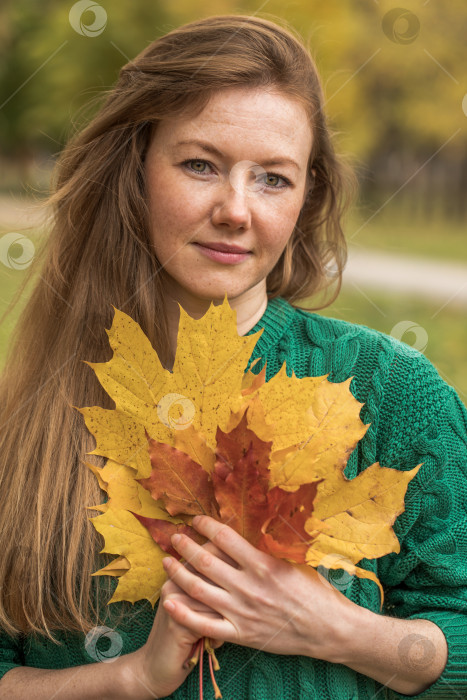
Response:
column 237, row 494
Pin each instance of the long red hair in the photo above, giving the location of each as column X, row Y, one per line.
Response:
column 99, row 254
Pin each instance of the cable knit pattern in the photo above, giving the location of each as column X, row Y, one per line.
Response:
column 414, row 417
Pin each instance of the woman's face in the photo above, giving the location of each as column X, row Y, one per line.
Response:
column 233, row 175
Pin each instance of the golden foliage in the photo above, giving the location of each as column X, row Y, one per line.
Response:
column 175, row 437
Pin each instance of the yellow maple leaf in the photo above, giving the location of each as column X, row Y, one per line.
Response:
column 117, row 567
column 312, row 425
column 207, row 372
column 354, row 520
column 191, row 442
column 209, row 365
column 134, row 377
column 126, row 493
column 119, row 437
column 124, row 535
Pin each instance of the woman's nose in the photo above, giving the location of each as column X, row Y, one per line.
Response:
column 234, row 199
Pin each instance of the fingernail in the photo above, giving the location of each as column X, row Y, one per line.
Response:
column 168, row 605
column 166, row 562
column 176, row 539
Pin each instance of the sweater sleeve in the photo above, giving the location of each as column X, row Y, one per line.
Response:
column 428, row 578
column 11, row 653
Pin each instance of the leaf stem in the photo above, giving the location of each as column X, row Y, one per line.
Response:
column 193, row 660
column 217, row 692
column 210, row 650
column 201, row 647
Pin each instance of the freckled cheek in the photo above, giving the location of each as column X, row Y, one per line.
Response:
column 173, row 219
column 281, row 224
column 175, row 205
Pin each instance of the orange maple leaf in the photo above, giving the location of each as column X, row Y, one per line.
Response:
column 237, row 493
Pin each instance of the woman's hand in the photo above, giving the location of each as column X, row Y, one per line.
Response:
column 262, row 601
column 158, row 668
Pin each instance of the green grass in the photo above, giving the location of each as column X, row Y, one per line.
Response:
column 10, row 281
column 390, row 232
column 445, row 328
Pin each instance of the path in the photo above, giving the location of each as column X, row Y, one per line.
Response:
column 408, row 275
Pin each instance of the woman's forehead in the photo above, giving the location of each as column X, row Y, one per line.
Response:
column 237, row 116
column 240, row 103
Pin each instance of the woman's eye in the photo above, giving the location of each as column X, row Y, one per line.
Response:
column 271, row 180
column 193, row 164
column 273, row 177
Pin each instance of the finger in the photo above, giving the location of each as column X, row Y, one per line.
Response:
column 226, row 539
column 197, row 573
column 193, row 604
column 211, row 547
column 206, row 563
column 170, row 587
column 173, row 592
column 200, row 624
column 211, row 595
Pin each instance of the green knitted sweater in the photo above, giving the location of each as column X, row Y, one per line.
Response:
column 415, row 417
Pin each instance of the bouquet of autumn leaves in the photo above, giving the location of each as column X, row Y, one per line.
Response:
column 267, row 458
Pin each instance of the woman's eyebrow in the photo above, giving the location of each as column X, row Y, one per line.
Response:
column 215, row 151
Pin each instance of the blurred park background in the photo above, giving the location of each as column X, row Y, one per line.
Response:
column 396, row 94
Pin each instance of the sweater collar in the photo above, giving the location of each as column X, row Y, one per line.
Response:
column 276, row 319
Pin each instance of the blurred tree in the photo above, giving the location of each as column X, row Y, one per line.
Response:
column 394, row 78
column 394, row 83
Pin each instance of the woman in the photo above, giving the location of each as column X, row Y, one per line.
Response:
column 215, row 136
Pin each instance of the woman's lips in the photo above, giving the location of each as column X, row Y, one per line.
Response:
column 221, row 257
